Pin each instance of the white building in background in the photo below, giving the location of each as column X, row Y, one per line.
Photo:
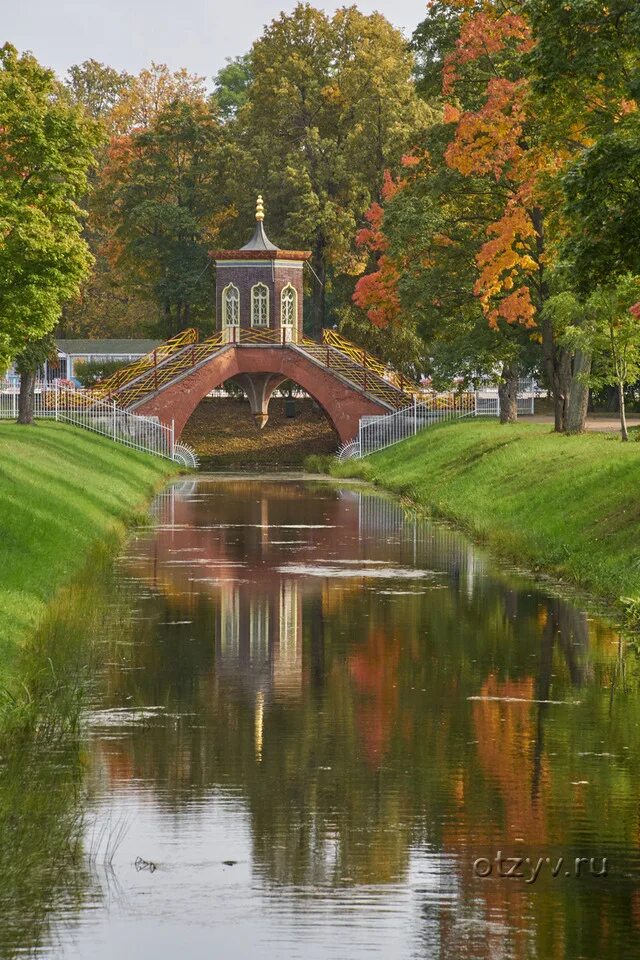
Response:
column 73, row 352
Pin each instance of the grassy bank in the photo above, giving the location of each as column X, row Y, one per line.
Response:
column 62, row 491
column 566, row 505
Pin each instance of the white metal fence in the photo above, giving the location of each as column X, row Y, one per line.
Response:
column 110, row 420
column 376, row 433
column 100, row 416
column 489, row 405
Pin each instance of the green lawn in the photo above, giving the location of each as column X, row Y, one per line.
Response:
column 568, row 505
column 62, row 490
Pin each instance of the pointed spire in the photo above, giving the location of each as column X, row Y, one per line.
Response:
column 259, row 240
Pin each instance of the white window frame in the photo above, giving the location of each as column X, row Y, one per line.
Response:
column 254, row 289
column 294, row 320
column 225, row 306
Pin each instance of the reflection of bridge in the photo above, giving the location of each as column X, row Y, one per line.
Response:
column 381, row 526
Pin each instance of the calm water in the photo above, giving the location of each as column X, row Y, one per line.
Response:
column 319, row 721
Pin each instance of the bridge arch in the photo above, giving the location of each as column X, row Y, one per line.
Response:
column 260, row 369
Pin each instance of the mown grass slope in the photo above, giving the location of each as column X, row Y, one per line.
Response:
column 62, row 490
column 568, row 505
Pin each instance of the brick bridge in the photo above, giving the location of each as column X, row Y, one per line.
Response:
column 343, row 379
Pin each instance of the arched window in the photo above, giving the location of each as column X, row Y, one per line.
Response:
column 230, row 306
column 288, row 306
column 260, row 305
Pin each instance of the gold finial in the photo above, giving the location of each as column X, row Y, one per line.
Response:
column 260, row 208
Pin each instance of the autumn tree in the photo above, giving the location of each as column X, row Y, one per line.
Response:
column 518, row 142
column 46, row 150
column 97, row 87
column 451, row 214
column 423, row 242
column 152, row 90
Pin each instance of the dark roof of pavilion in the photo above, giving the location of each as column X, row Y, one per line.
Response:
column 260, row 247
column 259, row 240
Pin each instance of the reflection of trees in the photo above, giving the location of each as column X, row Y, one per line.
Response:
column 371, row 746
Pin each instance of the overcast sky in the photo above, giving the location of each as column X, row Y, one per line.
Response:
column 128, row 34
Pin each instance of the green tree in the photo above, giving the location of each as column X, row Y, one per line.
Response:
column 606, row 325
column 232, row 87
column 46, row 150
column 330, row 106
column 28, row 362
column 161, row 204
column 586, row 76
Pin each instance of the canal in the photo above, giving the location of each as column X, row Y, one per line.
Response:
column 318, row 726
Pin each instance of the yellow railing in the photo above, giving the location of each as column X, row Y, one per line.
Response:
column 183, row 352
column 364, row 359
column 240, row 335
column 157, row 377
column 150, row 361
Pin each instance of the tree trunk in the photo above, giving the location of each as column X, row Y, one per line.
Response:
column 508, row 395
column 557, row 360
column 623, row 414
column 26, row 398
column 557, row 365
column 576, row 413
column 168, row 321
column 318, row 295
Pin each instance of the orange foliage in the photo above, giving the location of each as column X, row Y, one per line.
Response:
column 483, row 35
column 506, row 264
column 491, row 141
column 377, row 292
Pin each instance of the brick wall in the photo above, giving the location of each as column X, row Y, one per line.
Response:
column 269, row 272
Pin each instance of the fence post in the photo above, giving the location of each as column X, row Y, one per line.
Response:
column 172, row 442
column 14, row 404
column 56, row 388
column 114, row 420
column 415, row 415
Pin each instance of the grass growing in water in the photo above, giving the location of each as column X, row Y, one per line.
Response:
column 45, row 865
column 568, row 505
column 62, row 490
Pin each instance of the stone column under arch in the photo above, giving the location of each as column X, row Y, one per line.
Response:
column 259, row 388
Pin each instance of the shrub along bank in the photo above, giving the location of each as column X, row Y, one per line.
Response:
column 566, row 505
column 62, row 491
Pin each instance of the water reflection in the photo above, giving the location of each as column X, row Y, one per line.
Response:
column 327, row 711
